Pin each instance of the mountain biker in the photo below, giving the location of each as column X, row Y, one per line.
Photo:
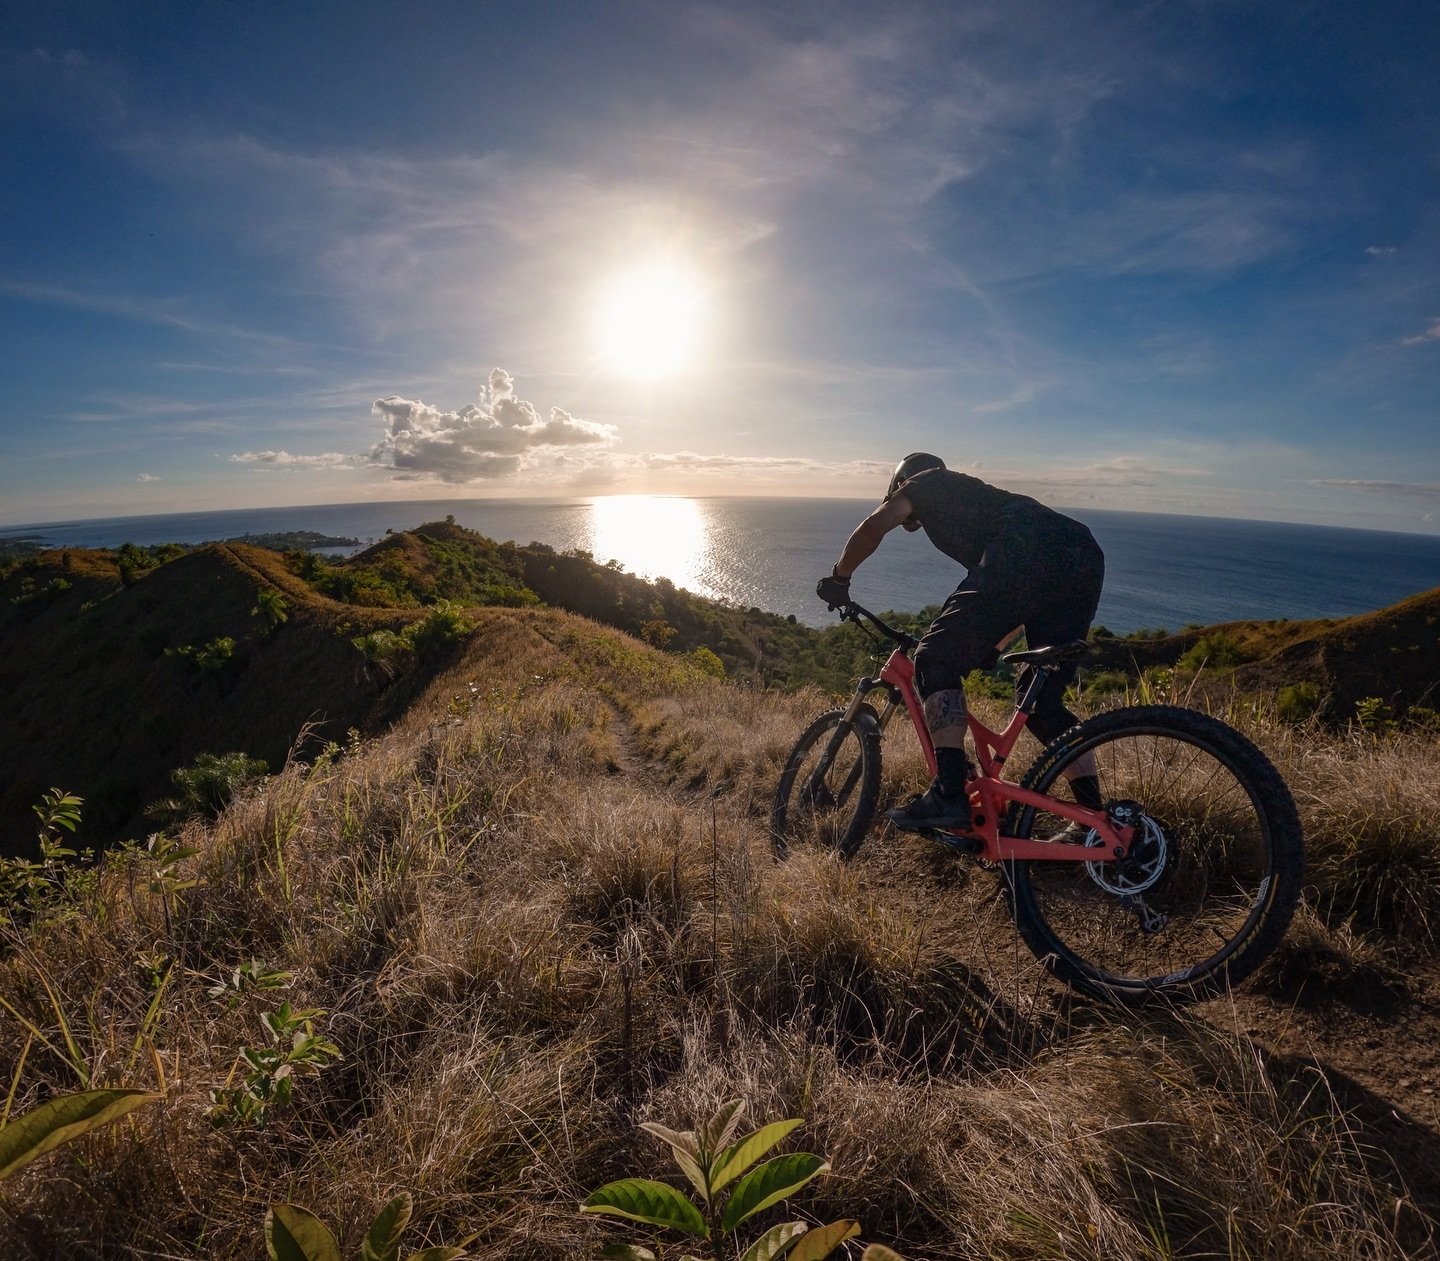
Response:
column 1027, row 565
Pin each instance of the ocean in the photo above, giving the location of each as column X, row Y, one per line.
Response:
column 1161, row 571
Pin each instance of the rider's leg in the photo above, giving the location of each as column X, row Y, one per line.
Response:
column 945, row 719
column 1077, row 570
column 961, row 639
column 1052, row 720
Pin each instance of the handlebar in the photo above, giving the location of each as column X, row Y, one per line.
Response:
column 852, row 612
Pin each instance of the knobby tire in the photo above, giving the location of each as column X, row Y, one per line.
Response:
column 831, row 805
column 1229, row 858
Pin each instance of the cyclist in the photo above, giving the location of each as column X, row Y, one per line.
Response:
column 1027, row 565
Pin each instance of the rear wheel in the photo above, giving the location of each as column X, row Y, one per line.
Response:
column 830, row 785
column 1211, row 881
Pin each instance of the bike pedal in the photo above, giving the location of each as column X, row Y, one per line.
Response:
column 960, row 844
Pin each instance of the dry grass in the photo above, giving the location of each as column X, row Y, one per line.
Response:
column 528, row 933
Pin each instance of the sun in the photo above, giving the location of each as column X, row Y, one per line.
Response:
column 651, row 320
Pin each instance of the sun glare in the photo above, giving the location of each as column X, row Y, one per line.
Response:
column 654, row 536
column 650, row 321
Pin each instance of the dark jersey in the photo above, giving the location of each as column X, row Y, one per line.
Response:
column 963, row 516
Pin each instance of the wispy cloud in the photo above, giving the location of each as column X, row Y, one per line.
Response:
column 1431, row 334
column 1410, row 490
column 147, row 477
column 168, row 312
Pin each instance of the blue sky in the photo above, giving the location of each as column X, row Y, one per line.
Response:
column 1176, row 256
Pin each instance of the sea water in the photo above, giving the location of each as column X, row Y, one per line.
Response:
column 1161, row 571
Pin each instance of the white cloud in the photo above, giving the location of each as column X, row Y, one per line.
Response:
column 480, row 442
column 147, row 477
column 283, row 459
column 1379, row 250
column 1431, row 334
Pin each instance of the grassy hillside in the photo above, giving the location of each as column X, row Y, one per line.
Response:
column 542, row 908
column 109, row 685
column 120, row 668
column 1392, row 654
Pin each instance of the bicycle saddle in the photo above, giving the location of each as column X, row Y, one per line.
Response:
column 1051, row 657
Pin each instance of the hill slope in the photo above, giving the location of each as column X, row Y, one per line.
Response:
column 102, row 699
column 1392, row 653
column 542, row 908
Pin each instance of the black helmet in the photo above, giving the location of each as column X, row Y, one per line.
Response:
column 915, row 462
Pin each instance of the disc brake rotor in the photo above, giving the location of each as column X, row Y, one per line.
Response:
column 1141, row 869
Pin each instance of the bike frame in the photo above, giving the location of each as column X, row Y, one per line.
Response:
column 988, row 792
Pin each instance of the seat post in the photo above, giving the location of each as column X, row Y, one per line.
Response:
column 1039, row 676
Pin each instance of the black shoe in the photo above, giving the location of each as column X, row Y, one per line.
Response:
column 932, row 811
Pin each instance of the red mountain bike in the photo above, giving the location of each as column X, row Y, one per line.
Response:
column 1180, row 885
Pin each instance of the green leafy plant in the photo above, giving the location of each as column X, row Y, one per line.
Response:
column 293, row 1233
column 705, row 660
column 62, row 1120
column 734, row 1183
column 35, row 882
column 658, row 632
column 294, row 1048
column 1374, row 715
column 444, row 626
column 252, row 976
column 271, row 609
column 163, row 856
column 1211, row 652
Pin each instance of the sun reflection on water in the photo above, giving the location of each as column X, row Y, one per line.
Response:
column 654, row 536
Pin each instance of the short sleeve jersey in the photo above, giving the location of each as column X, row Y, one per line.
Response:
column 962, row 515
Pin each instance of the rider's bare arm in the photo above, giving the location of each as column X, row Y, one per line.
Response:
column 866, row 538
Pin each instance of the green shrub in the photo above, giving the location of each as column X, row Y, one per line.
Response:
column 270, row 607
column 1212, row 652
column 1424, row 718
column 381, row 646
column 733, row 1188
column 1297, row 702
column 1105, row 682
column 214, row 658
column 444, row 626
column 707, row 662
column 658, row 632
column 209, row 784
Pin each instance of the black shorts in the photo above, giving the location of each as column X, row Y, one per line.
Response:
column 1045, row 574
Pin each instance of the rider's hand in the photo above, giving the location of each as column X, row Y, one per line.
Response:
column 834, row 590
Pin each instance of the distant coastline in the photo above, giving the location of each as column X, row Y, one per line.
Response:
column 1162, row 570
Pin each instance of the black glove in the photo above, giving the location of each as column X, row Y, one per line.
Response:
column 834, row 590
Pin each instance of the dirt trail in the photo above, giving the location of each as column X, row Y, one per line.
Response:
column 1379, row 1049
column 1377, row 1045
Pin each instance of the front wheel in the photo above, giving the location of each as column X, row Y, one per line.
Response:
column 830, row 785
column 1212, row 877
